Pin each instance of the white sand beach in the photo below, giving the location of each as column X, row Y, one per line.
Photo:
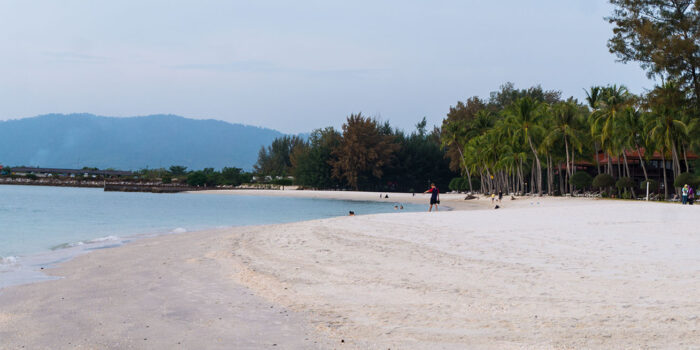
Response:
column 537, row 274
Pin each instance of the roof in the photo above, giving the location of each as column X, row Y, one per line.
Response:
column 633, row 156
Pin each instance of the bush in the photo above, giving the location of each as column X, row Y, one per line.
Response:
column 686, row 178
column 603, row 181
column 166, row 178
column 624, row 183
column 653, row 185
column 283, row 182
column 581, row 180
column 197, row 178
column 455, row 184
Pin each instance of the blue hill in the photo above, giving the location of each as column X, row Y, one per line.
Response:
column 79, row 140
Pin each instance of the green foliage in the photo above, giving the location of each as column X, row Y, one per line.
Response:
column 275, row 159
column 624, row 183
column 178, row 170
column 662, row 36
column 462, row 184
column 197, row 178
column 653, row 185
column 233, row 176
column 31, row 176
column 167, row 178
column 603, row 181
column 687, row 178
column 311, row 161
column 282, row 182
column 456, row 184
column 581, row 180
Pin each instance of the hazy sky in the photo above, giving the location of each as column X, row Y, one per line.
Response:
column 295, row 65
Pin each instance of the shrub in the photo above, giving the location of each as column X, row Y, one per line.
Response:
column 581, row 180
column 197, row 178
column 653, row 185
column 686, row 178
column 283, row 182
column 624, row 183
column 455, row 184
column 166, row 178
column 603, row 181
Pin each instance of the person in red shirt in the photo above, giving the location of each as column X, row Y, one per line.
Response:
column 434, row 198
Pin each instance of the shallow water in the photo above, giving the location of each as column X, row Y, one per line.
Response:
column 40, row 225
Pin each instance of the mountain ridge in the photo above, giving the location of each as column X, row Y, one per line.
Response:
column 130, row 143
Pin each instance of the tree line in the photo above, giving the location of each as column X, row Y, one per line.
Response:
column 365, row 155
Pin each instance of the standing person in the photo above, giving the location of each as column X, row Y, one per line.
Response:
column 684, row 194
column 500, row 196
column 691, row 195
column 434, row 198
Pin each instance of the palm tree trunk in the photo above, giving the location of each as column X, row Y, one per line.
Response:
column 539, row 167
column 685, row 158
column 597, row 163
column 676, row 162
column 663, row 160
column 469, row 178
column 641, row 162
column 573, row 171
column 627, row 168
column 466, row 168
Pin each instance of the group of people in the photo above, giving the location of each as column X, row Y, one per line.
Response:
column 687, row 195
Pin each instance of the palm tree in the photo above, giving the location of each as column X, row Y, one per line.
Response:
column 593, row 99
column 612, row 100
column 524, row 116
column 564, row 128
column 632, row 132
column 666, row 126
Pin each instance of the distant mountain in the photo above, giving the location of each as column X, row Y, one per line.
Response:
column 79, row 140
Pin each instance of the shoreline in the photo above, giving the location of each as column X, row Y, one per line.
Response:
column 449, row 201
column 562, row 273
column 30, row 267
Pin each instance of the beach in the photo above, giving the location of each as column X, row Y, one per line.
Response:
column 540, row 273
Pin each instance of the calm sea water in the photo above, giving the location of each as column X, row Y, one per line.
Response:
column 43, row 225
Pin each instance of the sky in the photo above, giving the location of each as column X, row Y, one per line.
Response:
column 296, row 66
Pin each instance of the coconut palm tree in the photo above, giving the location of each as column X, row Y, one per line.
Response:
column 565, row 128
column 633, row 133
column 612, row 101
column 524, row 118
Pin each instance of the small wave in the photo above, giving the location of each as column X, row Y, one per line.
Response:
column 92, row 241
column 179, row 230
column 104, row 239
column 67, row 245
column 8, row 260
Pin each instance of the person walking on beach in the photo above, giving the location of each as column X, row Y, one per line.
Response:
column 684, row 195
column 434, row 198
column 691, row 195
column 500, row 196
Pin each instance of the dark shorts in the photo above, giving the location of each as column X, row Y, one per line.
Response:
column 434, row 201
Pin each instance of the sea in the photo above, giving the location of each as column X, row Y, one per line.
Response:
column 41, row 226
